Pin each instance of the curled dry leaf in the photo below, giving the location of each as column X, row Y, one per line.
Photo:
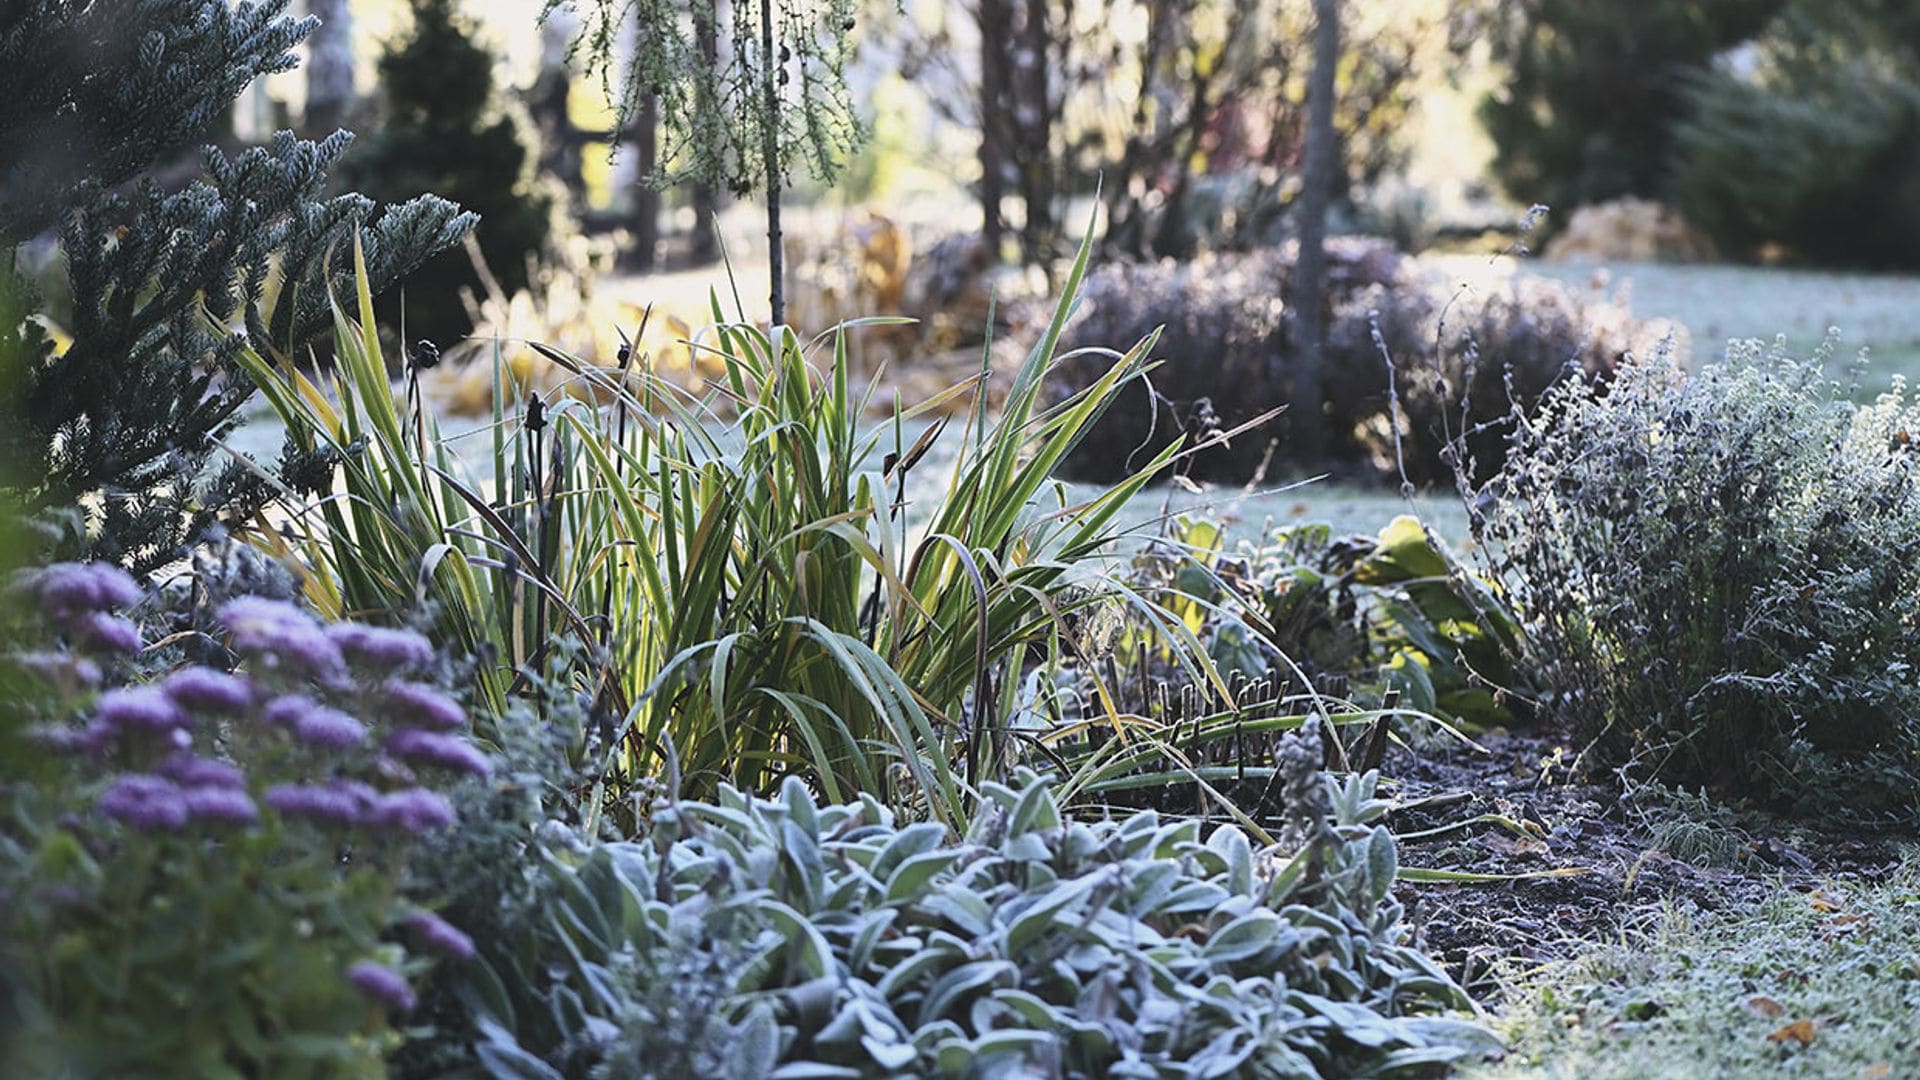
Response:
column 1800, row 1031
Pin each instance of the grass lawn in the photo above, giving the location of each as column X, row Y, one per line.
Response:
column 1823, row 983
column 1878, row 312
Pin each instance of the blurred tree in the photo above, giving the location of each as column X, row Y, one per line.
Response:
column 446, row 129
column 330, row 66
column 1813, row 143
column 1307, row 304
column 768, row 94
column 1193, row 112
column 109, row 424
column 1593, row 90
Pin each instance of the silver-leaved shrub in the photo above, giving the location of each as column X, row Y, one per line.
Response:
column 1718, row 575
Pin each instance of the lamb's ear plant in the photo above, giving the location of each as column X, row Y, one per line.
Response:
column 743, row 561
column 836, row 940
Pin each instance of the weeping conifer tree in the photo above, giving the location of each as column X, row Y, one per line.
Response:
column 745, row 91
column 111, row 406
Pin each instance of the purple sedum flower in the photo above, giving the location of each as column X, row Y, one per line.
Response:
column 415, row 810
column 145, row 802
column 380, row 647
column 441, row 934
column 108, row 633
column 382, row 984
column 208, row 690
column 66, row 589
column 280, row 635
column 417, row 705
column 431, row 747
column 288, row 710
column 329, row 728
column 221, row 805
column 58, row 667
column 66, row 739
column 142, row 708
column 192, row 770
column 338, row 802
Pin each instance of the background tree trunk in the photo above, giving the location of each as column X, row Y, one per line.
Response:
column 1308, row 428
column 329, row 68
column 770, row 70
column 704, row 246
column 996, row 23
column 646, row 197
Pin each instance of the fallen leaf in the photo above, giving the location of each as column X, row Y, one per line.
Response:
column 1879, row 1070
column 1800, row 1031
column 1763, row 1006
column 1822, row 900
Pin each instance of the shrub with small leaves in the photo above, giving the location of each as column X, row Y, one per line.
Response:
column 1226, row 355
column 1717, row 572
column 214, row 881
column 834, row 941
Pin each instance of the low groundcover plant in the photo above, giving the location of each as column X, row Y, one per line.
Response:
column 214, row 881
column 777, row 937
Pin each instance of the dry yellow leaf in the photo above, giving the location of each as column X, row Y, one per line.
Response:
column 1800, row 1031
column 1763, row 1006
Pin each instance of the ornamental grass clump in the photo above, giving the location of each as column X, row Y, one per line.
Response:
column 739, row 566
column 213, row 879
column 1717, row 575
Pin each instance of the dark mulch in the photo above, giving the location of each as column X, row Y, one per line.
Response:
column 1584, row 822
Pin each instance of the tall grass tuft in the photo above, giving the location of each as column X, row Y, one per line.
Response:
column 755, row 596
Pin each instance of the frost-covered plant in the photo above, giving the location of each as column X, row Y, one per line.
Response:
column 1718, row 570
column 832, row 941
column 214, row 882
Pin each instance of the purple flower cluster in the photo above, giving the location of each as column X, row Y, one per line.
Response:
column 412, row 704
column 148, row 802
column 64, row 591
column 350, row 802
column 441, row 934
column 315, row 724
column 434, row 748
column 382, row 984
column 208, row 690
column 379, row 647
column 281, row 636
column 141, row 708
column 78, row 599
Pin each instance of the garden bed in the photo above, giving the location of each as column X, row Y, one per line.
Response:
column 1620, row 854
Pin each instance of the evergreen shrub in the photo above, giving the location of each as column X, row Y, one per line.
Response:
column 1717, row 575
column 444, row 127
